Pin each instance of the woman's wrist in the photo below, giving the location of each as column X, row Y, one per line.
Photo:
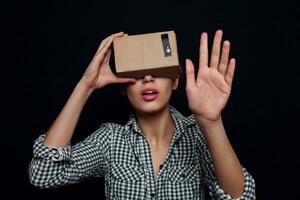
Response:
column 211, row 128
column 83, row 87
column 209, row 123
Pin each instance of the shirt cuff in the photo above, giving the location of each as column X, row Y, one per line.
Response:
column 248, row 193
column 54, row 153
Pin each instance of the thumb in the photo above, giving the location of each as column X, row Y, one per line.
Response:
column 190, row 73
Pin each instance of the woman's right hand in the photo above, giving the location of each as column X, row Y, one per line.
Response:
column 98, row 73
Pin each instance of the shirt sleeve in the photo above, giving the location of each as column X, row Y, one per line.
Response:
column 53, row 167
column 215, row 190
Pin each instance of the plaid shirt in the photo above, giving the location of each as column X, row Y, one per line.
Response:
column 121, row 154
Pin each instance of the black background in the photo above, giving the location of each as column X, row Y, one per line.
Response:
column 47, row 45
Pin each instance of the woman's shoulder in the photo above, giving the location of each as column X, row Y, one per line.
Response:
column 112, row 127
column 106, row 131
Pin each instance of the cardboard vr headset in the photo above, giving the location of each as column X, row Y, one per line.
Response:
column 152, row 53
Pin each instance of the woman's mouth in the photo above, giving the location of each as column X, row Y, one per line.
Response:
column 149, row 94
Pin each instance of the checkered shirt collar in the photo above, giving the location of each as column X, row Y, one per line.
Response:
column 180, row 121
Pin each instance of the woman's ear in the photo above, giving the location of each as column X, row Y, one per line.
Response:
column 175, row 83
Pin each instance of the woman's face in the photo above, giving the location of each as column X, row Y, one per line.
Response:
column 150, row 94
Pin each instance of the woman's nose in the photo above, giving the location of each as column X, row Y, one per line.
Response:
column 147, row 79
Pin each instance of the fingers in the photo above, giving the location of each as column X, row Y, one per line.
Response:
column 125, row 80
column 104, row 42
column 224, row 66
column 118, row 34
column 104, row 46
column 215, row 53
column 230, row 71
column 107, row 56
column 224, row 58
column 190, row 73
column 203, row 54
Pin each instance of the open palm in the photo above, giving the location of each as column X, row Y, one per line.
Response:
column 209, row 92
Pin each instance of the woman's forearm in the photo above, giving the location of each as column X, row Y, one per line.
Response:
column 227, row 167
column 62, row 129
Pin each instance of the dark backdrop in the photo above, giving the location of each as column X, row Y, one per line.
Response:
column 48, row 45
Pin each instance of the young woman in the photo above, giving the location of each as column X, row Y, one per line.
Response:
column 158, row 153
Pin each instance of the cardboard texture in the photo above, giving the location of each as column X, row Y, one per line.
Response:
column 143, row 54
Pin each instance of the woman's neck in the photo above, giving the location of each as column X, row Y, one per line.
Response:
column 157, row 127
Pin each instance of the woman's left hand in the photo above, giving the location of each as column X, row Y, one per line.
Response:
column 209, row 92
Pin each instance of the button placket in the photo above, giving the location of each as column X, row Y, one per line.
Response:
column 145, row 155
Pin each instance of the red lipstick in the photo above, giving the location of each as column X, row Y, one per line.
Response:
column 149, row 94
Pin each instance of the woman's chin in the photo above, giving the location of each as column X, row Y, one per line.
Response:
column 150, row 108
